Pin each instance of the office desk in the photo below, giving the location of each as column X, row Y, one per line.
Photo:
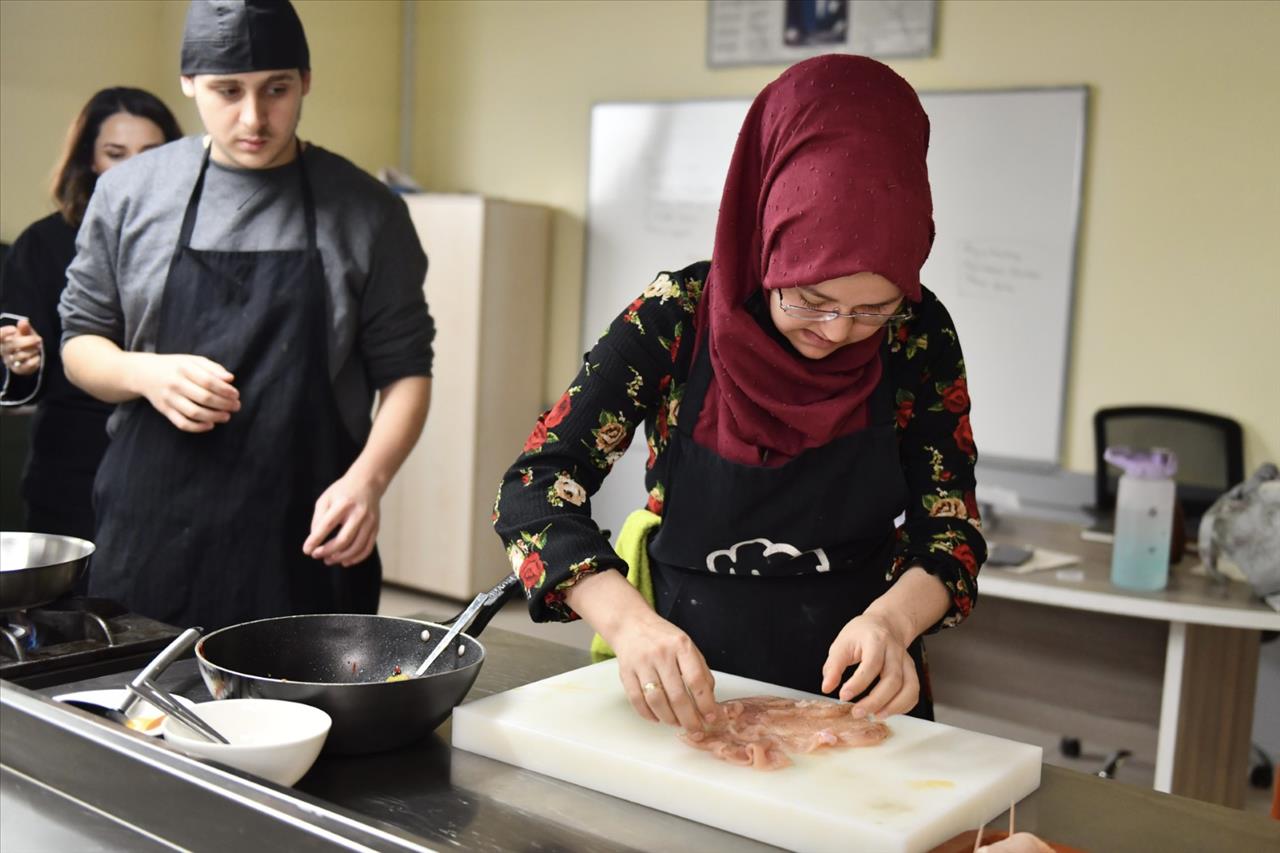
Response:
column 1176, row 668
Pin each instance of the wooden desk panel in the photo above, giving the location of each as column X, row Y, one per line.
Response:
column 1057, row 670
column 1219, row 680
column 1170, row 675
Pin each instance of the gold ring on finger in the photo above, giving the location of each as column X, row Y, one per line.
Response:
column 650, row 686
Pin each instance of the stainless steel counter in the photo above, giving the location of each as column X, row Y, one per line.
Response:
column 72, row 776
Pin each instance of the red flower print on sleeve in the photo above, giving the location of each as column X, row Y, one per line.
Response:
column 964, row 435
column 955, row 398
column 964, row 554
column 532, row 570
column 632, row 314
column 558, row 411
column 537, row 438
column 906, row 404
column 656, row 499
column 555, row 601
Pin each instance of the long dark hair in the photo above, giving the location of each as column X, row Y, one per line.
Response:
column 74, row 179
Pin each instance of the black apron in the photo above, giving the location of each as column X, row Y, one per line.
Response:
column 762, row 567
column 207, row 528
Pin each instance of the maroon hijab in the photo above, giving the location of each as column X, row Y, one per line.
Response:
column 828, row 179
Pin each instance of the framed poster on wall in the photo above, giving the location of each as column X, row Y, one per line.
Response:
column 769, row 32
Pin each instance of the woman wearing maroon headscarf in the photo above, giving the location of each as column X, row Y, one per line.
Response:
column 799, row 392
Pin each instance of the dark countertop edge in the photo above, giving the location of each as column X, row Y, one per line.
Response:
column 142, row 772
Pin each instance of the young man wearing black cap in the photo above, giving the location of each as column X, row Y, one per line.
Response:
column 243, row 297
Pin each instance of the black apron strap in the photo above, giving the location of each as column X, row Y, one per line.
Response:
column 695, row 392
column 308, row 200
column 193, row 203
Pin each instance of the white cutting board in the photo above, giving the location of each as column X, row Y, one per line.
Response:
column 923, row 785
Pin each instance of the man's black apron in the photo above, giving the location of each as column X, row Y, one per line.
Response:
column 762, row 567
column 207, row 528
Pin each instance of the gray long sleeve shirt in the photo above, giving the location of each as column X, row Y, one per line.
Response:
column 379, row 327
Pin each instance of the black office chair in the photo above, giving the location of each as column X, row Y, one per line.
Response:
column 1210, row 450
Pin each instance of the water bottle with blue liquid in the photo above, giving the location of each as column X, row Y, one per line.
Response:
column 1144, row 516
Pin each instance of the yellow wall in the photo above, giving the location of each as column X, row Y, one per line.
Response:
column 54, row 54
column 1178, row 298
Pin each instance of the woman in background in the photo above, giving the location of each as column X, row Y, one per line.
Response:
column 68, row 430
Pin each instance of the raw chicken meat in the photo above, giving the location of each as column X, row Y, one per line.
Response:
column 759, row 731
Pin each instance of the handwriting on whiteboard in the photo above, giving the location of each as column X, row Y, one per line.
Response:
column 997, row 269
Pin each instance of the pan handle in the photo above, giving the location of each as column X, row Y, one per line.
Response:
column 491, row 602
column 476, row 615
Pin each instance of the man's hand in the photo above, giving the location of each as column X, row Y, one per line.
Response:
column 350, row 507
column 20, row 346
column 193, row 392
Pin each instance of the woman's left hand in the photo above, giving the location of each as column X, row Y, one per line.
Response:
column 349, row 506
column 20, row 345
column 871, row 642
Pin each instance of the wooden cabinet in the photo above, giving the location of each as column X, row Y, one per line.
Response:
column 486, row 288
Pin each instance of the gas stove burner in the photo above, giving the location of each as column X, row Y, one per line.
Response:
column 20, row 633
column 74, row 632
column 62, row 621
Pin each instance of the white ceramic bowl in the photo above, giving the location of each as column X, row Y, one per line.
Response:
column 271, row 738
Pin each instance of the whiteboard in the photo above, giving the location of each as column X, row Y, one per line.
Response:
column 1006, row 168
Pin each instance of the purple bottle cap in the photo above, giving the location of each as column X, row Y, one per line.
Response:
column 1154, row 463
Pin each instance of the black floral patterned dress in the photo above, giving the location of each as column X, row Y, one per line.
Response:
column 638, row 372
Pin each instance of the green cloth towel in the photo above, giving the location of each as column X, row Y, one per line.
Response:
column 633, row 547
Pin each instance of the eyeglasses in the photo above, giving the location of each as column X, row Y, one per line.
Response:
column 817, row 315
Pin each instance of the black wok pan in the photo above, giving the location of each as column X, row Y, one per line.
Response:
column 340, row 663
column 36, row 568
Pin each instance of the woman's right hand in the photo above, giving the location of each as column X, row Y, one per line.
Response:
column 664, row 675
column 193, row 392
